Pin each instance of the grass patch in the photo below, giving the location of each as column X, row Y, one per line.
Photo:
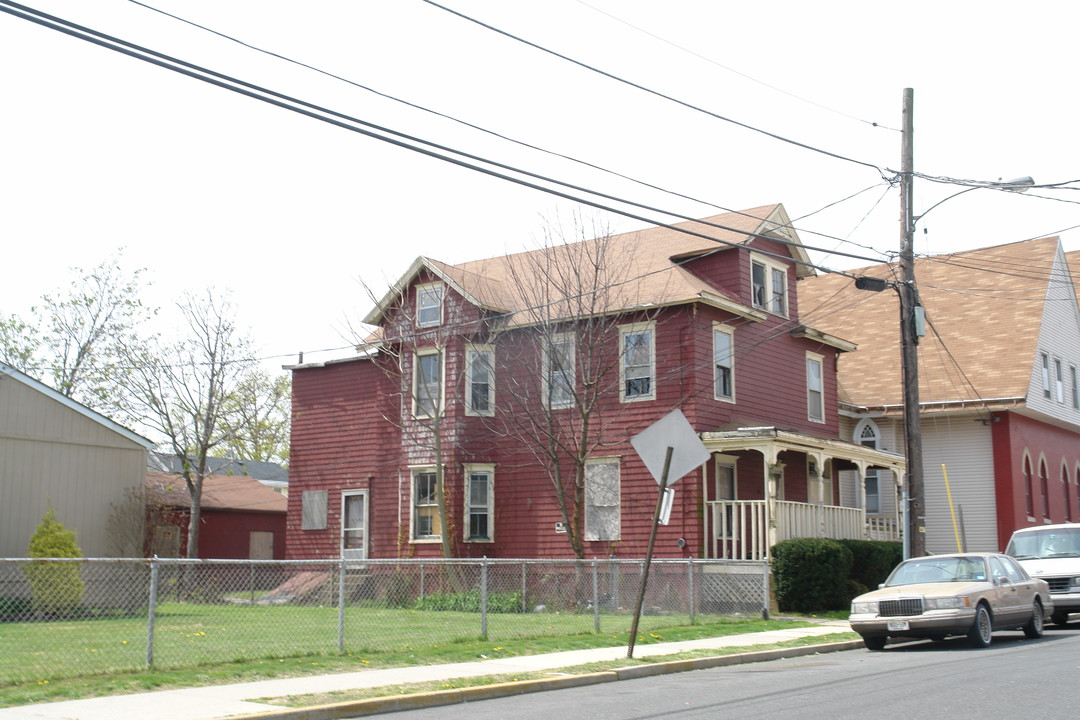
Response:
column 340, row 696
column 291, row 664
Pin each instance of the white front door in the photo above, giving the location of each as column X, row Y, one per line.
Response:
column 354, row 540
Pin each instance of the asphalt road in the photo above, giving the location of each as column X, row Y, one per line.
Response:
column 1013, row 678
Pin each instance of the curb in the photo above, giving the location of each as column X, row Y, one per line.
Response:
column 376, row 706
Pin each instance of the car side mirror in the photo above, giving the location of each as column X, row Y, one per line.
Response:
column 1002, row 580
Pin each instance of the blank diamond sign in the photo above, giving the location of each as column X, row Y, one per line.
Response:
column 674, row 431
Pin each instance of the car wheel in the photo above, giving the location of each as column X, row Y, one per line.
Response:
column 1034, row 628
column 874, row 643
column 1060, row 618
column 982, row 629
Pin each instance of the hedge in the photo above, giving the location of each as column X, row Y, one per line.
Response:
column 815, row 574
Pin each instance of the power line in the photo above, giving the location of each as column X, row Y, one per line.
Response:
column 507, row 138
column 731, row 69
column 657, row 93
column 399, row 139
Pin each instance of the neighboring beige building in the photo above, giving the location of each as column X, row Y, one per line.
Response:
column 999, row 387
column 56, row 451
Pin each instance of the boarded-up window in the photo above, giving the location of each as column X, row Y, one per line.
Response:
column 260, row 545
column 602, row 500
column 313, row 512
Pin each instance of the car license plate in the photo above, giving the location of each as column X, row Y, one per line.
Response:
column 895, row 625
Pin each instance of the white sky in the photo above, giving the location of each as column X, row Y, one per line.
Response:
column 202, row 186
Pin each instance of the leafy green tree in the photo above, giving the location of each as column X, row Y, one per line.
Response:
column 19, row 343
column 55, row 588
column 76, row 336
column 256, row 416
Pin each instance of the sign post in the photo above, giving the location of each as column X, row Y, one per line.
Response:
column 648, row 554
column 669, row 448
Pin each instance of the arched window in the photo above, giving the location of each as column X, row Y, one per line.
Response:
column 1066, row 492
column 1029, row 491
column 868, row 436
column 1044, row 487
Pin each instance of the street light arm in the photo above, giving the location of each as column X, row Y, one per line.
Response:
column 1018, row 185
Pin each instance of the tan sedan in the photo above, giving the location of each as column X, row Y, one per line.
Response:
column 969, row 594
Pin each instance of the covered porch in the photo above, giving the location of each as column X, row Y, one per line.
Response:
column 764, row 485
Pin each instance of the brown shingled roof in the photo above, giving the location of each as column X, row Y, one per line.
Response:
column 220, row 492
column 644, row 274
column 984, row 309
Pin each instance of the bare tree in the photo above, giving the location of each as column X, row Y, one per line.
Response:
column 573, row 296
column 182, row 391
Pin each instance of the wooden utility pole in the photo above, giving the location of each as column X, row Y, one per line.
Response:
column 914, row 530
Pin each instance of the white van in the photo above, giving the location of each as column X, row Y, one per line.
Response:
column 1052, row 553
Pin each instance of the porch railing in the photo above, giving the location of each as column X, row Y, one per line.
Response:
column 883, row 527
column 740, row 529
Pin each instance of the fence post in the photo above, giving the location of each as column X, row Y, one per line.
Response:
column 483, row 597
column 151, row 612
column 595, row 597
column 421, row 582
column 690, row 588
column 524, row 586
column 341, row 608
column 765, row 584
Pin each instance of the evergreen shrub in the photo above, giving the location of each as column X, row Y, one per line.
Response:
column 56, row 589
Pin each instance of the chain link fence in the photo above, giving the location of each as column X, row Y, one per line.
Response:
column 72, row 617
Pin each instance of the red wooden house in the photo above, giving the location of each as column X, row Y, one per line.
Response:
column 491, row 414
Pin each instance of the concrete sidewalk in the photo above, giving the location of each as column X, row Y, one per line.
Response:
column 221, row 701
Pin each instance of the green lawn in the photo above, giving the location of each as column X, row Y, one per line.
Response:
column 53, row 659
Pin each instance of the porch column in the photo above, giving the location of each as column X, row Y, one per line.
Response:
column 860, row 485
column 816, row 478
column 774, row 471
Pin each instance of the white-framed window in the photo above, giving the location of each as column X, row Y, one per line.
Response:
column 354, row 524
column 869, row 437
column 480, row 380
column 768, row 285
column 427, row 383
column 425, row 505
column 723, row 362
column 1075, row 388
column 602, row 499
column 637, row 367
column 479, row 503
column 1046, row 375
column 559, row 371
column 429, row 305
column 1059, row 381
column 815, row 388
